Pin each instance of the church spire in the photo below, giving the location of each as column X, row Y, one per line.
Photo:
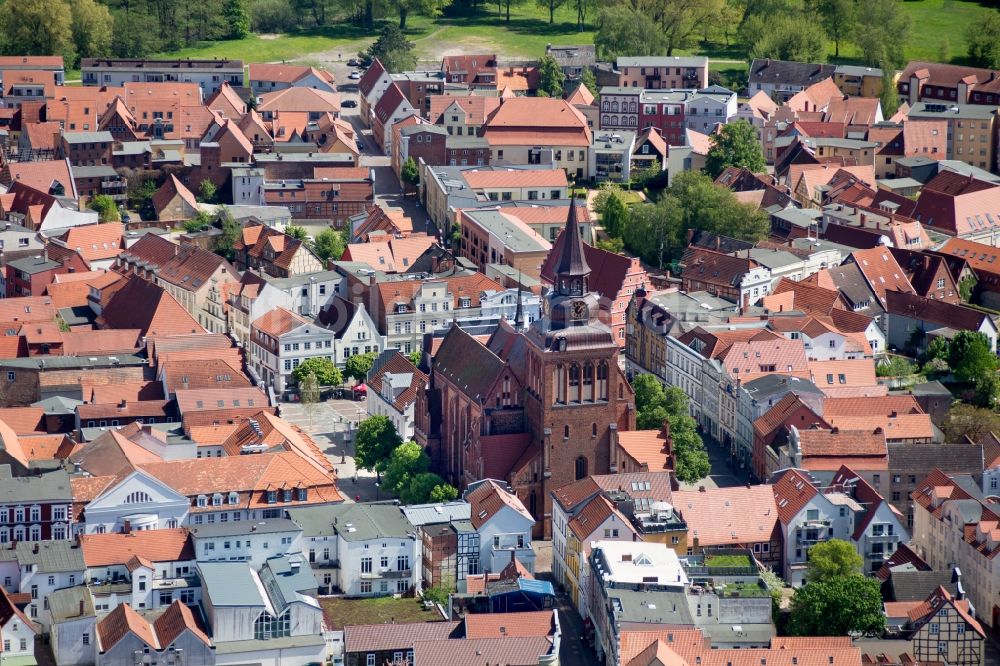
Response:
column 518, row 313
column 571, row 269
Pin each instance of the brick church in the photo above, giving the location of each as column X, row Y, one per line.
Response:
column 538, row 409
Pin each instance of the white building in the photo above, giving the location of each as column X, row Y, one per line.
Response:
column 709, row 107
column 246, row 541
column 280, row 341
column 393, row 382
column 503, row 524
column 17, row 633
column 366, row 550
column 209, row 74
column 140, row 500
column 354, row 330
column 849, row 510
column 268, row 616
column 38, row 568
column 73, row 631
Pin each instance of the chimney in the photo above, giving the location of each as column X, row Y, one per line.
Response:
column 122, row 404
column 834, row 430
column 81, row 607
column 34, row 548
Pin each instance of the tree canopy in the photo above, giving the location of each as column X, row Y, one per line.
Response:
column 107, row 209
column 551, row 76
column 655, row 404
column 329, row 245
column 406, row 461
column 326, row 373
column 832, row 559
column 983, row 38
column 357, row 366
column 735, row 145
column 374, row 443
column 393, row 49
column 837, row 607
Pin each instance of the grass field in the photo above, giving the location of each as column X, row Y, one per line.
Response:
column 939, row 28
column 378, row 610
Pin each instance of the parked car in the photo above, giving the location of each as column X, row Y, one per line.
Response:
column 355, row 76
column 353, row 62
column 349, row 103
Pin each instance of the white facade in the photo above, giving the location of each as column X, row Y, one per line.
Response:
column 383, row 403
column 210, row 76
column 379, row 566
column 300, row 344
column 143, row 501
column 361, row 336
column 74, row 641
column 709, row 107
column 18, row 640
column 254, row 542
column 507, row 530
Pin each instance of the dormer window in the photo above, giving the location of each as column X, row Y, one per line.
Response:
column 234, row 498
column 217, row 499
column 272, row 496
column 301, row 494
column 202, row 500
column 286, row 495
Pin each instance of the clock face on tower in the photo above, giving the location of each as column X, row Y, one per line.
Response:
column 579, row 309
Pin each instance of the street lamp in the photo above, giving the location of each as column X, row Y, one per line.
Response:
column 377, row 496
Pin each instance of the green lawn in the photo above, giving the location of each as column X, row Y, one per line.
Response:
column 339, row 612
column 939, row 27
column 727, row 561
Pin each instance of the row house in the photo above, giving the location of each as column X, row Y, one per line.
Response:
column 354, row 330
column 782, row 79
column 948, row 84
column 959, row 205
column 849, row 509
column 360, row 550
column 662, row 72
column 196, row 279
column 281, row 340
column 420, row 87
column 333, row 193
column 390, row 108
column 86, row 148
column 371, row 86
column 180, row 493
column 209, row 74
column 268, row 77
column 535, row 131
column 263, row 249
column 971, row 130
column 36, row 569
column 735, row 278
column 954, row 526
column 393, row 382
column 33, row 508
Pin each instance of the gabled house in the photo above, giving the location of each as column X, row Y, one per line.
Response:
column 354, row 330
column 907, row 312
column 393, row 382
column 17, row 632
column 174, row 202
column 503, row 523
column 391, row 107
column 264, row 77
column 371, row 86
column 941, row 627
column 280, row 340
column 262, row 248
column 197, row 279
column 123, row 633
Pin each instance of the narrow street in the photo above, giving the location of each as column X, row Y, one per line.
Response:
column 722, row 474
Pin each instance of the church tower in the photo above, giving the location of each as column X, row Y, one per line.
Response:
column 577, row 396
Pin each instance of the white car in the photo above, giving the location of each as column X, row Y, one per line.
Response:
column 354, row 76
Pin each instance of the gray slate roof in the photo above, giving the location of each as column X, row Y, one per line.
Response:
column 51, row 486
column 242, row 528
column 429, row 514
column 230, row 584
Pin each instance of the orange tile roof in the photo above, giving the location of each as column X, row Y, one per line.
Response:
column 95, row 241
column 110, row 341
column 792, row 492
column 592, row 516
column 728, row 516
column 121, row 622
column 488, row 499
column 901, row 426
column 486, row 179
column 164, row 545
column 509, row 625
column 882, row 271
column 284, row 72
column 753, row 359
column 177, row 619
column 537, row 121
column 24, row 420
column 278, row 322
column 139, row 304
column 846, row 378
column 816, row 442
column 250, row 476
column 650, row 448
column 390, row 256
column 476, row 108
column 201, row 374
column 572, row 494
column 115, row 393
column 462, row 286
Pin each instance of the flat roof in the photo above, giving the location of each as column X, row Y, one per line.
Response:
column 511, row 234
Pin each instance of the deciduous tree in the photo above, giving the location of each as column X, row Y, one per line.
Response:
column 237, row 16
column 358, row 365
column 375, row 441
column 614, row 216
column 326, row 373
column 550, row 76
column 406, row 461
column 838, row 18
column 838, row 607
column 883, row 34
column 296, row 232
column 410, row 172
column 832, row 559
column 788, row 37
column 107, row 209
column 552, row 6
column 971, row 356
column 93, row 29
column 983, row 38
column 329, row 244
column 736, row 144
column 624, row 31
column 428, row 487
column 37, row 27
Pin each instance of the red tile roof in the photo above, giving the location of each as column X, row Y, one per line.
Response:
column 165, row 545
column 729, row 516
column 489, row 499
column 509, row 625
column 792, row 492
column 142, row 305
